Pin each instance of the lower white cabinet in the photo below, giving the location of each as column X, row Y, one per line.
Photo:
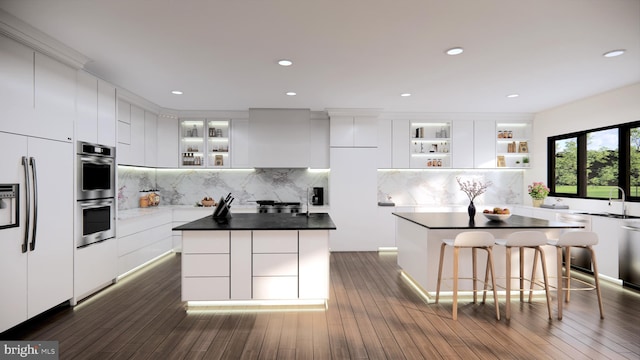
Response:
column 143, row 238
column 255, row 265
column 609, row 234
column 95, row 267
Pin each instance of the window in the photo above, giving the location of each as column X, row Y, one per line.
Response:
column 634, row 157
column 602, row 162
column 566, row 166
column 594, row 163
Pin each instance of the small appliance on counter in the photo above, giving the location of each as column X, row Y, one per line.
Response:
column 317, row 197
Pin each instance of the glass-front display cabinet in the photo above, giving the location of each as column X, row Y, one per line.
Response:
column 192, row 145
column 218, row 144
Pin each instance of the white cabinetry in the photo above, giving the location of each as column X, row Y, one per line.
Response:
column 401, row 147
column 430, row 144
column 484, row 144
column 512, row 144
column 95, row 110
column 41, row 277
column 37, row 93
column 354, row 131
column 205, row 265
column 218, row 143
column 279, row 138
column 95, row 267
column 150, row 139
column 353, row 186
column 205, row 143
column 137, row 147
column 167, row 144
column 609, row 234
column 385, row 143
column 143, row 238
column 240, row 143
column 463, row 144
column 319, row 144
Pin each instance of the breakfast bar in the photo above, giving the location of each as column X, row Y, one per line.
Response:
column 419, row 236
column 257, row 258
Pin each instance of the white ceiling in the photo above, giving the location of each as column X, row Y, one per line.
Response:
column 350, row 53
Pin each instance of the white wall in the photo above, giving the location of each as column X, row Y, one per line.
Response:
column 614, row 107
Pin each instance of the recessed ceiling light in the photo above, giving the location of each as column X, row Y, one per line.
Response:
column 511, row 96
column 455, row 51
column 176, row 92
column 405, row 94
column 285, row 62
column 614, row 53
column 291, row 93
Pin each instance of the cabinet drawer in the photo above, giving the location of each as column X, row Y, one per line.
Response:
column 205, row 265
column 275, row 264
column 205, row 242
column 273, row 288
column 205, row 288
column 275, row 241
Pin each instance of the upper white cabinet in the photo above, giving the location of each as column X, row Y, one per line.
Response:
column 401, row 147
column 484, row 145
column 95, row 110
column 150, row 139
column 354, row 131
column 106, row 113
column 137, row 133
column 385, row 143
column 240, row 143
column 37, row 93
column 279, row 138
column 463, row 144
column 167, row 145
column 319, row 143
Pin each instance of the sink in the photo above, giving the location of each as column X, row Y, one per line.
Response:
column 609, row 215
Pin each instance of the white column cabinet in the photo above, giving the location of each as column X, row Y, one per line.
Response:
column 106, row 113
column 354, row 131
column 95, row 110
column 353, row 191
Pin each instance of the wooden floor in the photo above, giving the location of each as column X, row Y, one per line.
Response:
column 372, row 314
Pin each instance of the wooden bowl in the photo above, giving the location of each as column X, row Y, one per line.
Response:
column 208, row 203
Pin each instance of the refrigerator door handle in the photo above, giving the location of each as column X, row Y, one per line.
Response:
column 35, row 203
column 27, row 181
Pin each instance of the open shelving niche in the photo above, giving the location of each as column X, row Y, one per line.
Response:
column 513, row 141
column 204, row 143
column 430, row 145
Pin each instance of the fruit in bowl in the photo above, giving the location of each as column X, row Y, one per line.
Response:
column 497, row 214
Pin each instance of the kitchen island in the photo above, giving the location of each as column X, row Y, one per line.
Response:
column 419, row 236
column 257, row 258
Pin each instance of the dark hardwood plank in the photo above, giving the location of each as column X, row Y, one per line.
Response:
column 372, row 313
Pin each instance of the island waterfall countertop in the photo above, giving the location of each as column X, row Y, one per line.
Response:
column 283, row 221
column 453, row 220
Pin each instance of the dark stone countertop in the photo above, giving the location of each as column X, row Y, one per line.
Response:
column 255, row 221
column 460, row 220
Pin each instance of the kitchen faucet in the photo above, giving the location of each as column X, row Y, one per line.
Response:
column 624, row 209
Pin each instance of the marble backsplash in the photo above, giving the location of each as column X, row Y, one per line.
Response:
column 405, row 187
column 440, row 188
column 189, row 186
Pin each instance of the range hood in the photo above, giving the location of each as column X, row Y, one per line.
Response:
column 279, row 138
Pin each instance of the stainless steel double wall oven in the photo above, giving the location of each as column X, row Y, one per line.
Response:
column 95, row 194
